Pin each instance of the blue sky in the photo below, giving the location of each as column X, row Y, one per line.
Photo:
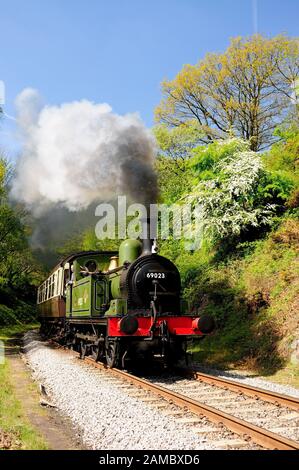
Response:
column 119, row 51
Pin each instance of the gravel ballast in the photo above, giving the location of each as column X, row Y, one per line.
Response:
column 104, row 414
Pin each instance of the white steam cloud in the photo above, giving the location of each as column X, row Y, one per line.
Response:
column 79, row 153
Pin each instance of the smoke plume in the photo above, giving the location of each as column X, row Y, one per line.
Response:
column 80, row 153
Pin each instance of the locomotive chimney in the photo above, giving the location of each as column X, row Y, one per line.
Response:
column 149, row 234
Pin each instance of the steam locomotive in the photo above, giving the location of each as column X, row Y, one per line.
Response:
column 119, row 306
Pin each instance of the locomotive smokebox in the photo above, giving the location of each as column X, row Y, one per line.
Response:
column 149, row 233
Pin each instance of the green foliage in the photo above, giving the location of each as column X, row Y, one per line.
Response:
column 174, row 178
column 22, row 313
column 91, row 242
column 72, row 245
column 12, row 235
column 275, row 187
column 282, row 163
column 190, row 264
column 19, row 271
column 205, row 158
column 175, row 149
column 254, row 298
column 178, row 142
column 85, row 241
column 244, row 275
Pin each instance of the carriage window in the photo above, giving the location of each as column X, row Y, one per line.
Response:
column 66, row 276
column 58, row 282
column 55, row 284
column 52, row 285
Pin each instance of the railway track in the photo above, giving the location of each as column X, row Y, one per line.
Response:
column 243, row 428
column 248, row 390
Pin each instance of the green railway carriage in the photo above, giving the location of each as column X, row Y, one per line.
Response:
column 72, row 291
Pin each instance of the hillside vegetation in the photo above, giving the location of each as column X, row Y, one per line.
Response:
column 19, row 271
column 255, row 300
column 228, row 134
column 246, row 272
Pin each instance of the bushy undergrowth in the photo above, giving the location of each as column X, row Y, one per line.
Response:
column 248, row 278
column 254, row 299
column 20, row 272
column 22, row 313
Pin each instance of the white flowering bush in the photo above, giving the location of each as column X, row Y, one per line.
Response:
column 229, row 203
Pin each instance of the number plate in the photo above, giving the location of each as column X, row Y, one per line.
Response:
column 156, row 275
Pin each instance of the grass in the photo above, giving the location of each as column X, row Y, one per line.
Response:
column 287, row 376
column 214, row 351
column 12, row 332
column 15, row 429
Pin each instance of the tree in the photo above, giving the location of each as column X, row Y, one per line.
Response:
column 18, row 268
column 12, row 236
column 175, row 149
column 177, row 143
column 246, row 91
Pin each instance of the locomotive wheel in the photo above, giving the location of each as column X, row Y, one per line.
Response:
column 83, row 349
column 96, row 353
column 112, row 353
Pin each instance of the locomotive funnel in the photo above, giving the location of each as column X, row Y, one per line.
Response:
column 149, row 234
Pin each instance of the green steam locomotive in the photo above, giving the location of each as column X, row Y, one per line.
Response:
column 119, row 306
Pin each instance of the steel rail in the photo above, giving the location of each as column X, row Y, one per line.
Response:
column 266, row 395
column 259, row 435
